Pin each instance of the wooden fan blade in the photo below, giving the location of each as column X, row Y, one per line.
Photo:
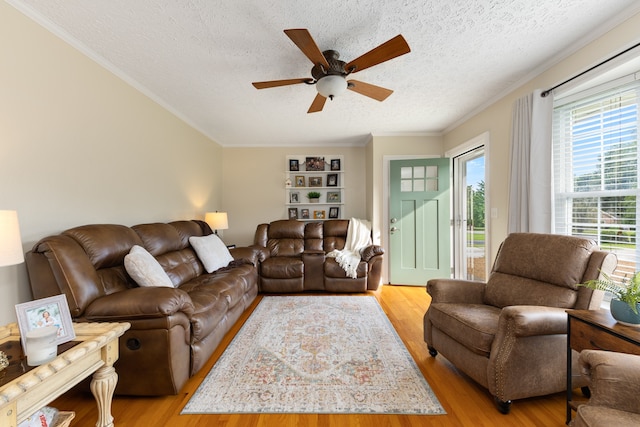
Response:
column 372, row 91
column 302, row 38
column 276, row 83
column 317, row 104
column 388, row 50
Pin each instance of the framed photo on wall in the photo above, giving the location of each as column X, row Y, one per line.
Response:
column 315, row 181
column 314, row 163
column 332, row 180
column 293, row 213
column 334, row 212
column 333, row 196
column 51, row 311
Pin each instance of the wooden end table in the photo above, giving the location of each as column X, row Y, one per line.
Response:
column 596, row 330
column 95, row 351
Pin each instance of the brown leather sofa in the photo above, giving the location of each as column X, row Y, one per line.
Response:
column 296, row 258
column 509, row 334
column 174, row 330
column 614, row 382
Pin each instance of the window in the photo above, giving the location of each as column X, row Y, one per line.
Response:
column 596, row 167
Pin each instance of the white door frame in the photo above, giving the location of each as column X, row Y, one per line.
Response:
column 384, row 237
column 481, row 140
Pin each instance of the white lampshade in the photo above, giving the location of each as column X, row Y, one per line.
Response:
column 331, row 85
column 10, row 242
column 217, row 220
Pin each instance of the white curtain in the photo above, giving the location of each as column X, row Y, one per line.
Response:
column 530, row 181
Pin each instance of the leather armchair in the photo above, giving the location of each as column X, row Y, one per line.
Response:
column 509, row 334
column 614, row 381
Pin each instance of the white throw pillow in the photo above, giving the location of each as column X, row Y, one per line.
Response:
column 145, row 269
column 212, row 251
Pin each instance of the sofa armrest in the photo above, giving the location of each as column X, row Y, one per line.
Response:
column 456, row 291
column 140, row 303
column 254, row 254
column 371, row 251
column 614, row 379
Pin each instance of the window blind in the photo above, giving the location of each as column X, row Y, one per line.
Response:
column 596, row 167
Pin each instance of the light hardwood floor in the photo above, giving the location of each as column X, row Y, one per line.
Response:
column 466, row 403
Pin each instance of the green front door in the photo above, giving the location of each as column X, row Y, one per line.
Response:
column 419, row 221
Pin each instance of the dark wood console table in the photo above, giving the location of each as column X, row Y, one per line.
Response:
column 597, row 330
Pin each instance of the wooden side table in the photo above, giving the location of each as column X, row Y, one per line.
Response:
column 596, row 330
column 95, row 354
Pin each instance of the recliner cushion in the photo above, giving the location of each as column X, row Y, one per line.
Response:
column 472, row 325
column 282, row 268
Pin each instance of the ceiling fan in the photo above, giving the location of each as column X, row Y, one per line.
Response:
column 330, row 73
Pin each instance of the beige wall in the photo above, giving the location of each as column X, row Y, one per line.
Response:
column 78, row 146
column 496, row 119
column 254, row 189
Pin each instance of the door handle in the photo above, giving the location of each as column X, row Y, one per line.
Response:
column 392, row 229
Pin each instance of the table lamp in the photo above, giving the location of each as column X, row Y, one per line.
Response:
column 10, row 242
column 217, row 221
column 10, row 251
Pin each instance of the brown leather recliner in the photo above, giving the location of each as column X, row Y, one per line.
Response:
column 296, row 258
column 509, row 334
column 614, row 381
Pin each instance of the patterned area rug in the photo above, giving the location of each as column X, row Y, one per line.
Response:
column 315, row 354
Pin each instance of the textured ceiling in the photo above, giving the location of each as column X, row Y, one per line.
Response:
column 199, row 57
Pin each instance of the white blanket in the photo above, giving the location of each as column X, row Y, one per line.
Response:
column 358, row 238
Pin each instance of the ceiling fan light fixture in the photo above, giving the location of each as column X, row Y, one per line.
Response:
column 331, row 85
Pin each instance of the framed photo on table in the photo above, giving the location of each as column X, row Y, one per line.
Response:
column 51, row 311
column 294, row 165
column 299, row 182
column 293, row 213
column 332, row 180
column 314, row 163
column 334, row 212
column 335, row 164
column 318, row 214
column 294, row 197
column 304, row 213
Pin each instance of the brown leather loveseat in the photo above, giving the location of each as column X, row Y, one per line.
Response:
column 296, row 258
column 175, row 328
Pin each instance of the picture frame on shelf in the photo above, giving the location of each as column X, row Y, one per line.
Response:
column 294, row 197
column 299, row 181
column 334, row 212
column 314, row 163
column 294, row 165
column 335, row 164
column 293, row 213
column 318, row 214
column 50, row 311
column 332, row 180
column 315, row 181
column 304, row 213
column 333, row 197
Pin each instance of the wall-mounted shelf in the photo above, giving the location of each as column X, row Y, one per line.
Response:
column 320, row 173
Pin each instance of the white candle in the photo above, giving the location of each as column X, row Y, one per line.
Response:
column 41, row 346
